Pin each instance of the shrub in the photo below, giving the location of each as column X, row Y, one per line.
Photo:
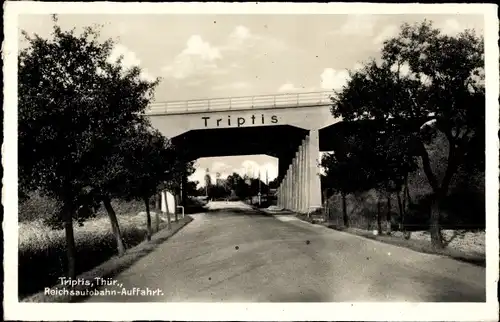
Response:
column 35, row 206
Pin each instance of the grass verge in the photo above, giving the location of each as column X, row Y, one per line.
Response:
column 110, row 268
column 416, row 245
column 42, row 250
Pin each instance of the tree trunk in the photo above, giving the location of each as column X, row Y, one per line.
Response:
column 157, row 202
column 327, row 210
column 379, row 216
column 454, row 155
column 435, row 212
column 344, row 210
column 114, row 225
column 401, row 210
column 440, row 191
column 388, row 215
column 158, row 211
column 157, row 220
column 325, row 197
column 407, row 191
column 70, row 238
column 148, row 216
column 435, row 229
column 178, row 201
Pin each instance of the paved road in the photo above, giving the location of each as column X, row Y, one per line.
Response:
column 243, row 256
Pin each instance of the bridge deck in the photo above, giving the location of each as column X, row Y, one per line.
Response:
column 288, row 100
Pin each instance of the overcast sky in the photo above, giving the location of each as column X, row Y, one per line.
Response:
column 205, row 56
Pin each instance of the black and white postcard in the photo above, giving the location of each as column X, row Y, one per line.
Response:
column 250, row 161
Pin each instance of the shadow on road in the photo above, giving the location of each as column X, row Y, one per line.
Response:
column 430, row 287
column 300, row 296
column 237, row 211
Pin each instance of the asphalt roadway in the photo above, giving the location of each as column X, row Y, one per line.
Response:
column 236, row 254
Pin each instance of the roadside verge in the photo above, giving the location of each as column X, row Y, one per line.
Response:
column 421, row 246
column 110, row 268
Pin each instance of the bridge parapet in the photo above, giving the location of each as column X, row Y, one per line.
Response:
column 287, row 100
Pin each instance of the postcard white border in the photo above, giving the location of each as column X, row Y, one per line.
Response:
column 245, row 311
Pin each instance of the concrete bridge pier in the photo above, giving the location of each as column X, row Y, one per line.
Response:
column 278, row 197
column 281, row 195
column 302, row 178
column 286, row 189
column 289, row 185
column 313, row 181
column 296, row 185
column 300, row 189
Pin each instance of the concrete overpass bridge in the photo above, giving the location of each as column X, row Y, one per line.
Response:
column 294, row 128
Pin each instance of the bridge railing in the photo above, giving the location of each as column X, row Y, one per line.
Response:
column 242, row 103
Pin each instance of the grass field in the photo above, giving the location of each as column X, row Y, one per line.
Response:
column 42, row 250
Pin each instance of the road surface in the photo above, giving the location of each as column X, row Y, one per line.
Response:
column 239, row 255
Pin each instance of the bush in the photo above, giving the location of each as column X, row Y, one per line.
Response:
column 194, row 205
column 35, row 206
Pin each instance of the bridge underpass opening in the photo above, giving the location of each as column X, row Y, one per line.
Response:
column 296, row 149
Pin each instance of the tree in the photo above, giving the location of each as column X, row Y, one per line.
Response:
column 273, row 184
column 71, row 101
column 180, row 169
column 218, row 191
column 254, row 187
column 191, row 188
column 237, row 185
column 148, row 163
column 208, row 181
column 389, row 167
column 441, row 88
column 344, row 172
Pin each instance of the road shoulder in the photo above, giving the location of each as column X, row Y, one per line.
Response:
column 415, row 245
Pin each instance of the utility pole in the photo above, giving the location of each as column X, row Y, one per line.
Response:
column 259, row 188
column 267, row 185
column 217, row 178
column 207, row 179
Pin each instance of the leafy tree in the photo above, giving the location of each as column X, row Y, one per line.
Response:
column 232, row 181
column 218, row 191
column 208, row 181
column 443, row 90
column 389, row 167
column 254, row 187
column 191, row 188
column 148, row 163
column 345, row 171
column 367, row 157
column 238, row 185
column 176, row 176
column 72, row 102
column 273, row 184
